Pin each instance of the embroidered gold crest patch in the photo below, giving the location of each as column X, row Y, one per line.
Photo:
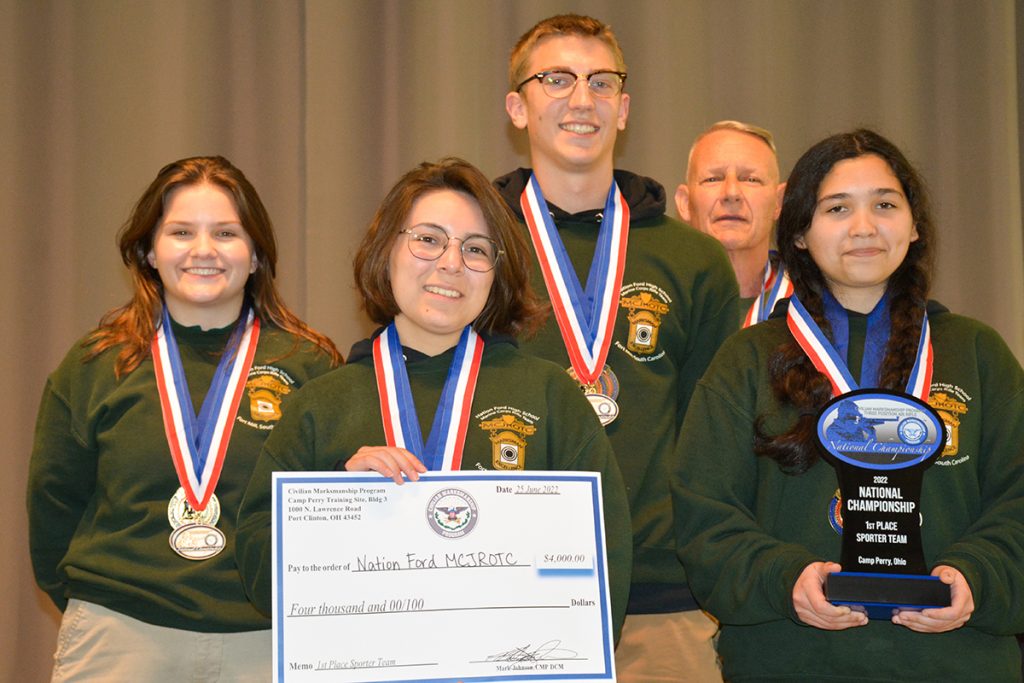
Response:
column 950, row 411
column 644, row 314
column 508, row 441
column 265, row 394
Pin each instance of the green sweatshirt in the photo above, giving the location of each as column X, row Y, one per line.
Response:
column 101, row 477
column 746, row 530
column 679, row 288
column 334, row 416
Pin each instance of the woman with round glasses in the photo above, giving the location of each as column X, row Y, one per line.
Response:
column 760, row 516
column 444, row 271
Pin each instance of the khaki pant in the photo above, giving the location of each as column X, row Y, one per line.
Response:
column 98, row 644
column 668, row 648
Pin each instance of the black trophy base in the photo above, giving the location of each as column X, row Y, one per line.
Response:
column 880, row 594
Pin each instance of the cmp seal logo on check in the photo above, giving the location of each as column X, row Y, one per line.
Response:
column 452, row 513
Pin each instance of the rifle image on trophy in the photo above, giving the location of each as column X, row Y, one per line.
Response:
column 850, row 425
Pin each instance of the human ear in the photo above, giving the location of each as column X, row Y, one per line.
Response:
column 683, row 201
column 515, row 106
column 623, row 111
column 780, row 191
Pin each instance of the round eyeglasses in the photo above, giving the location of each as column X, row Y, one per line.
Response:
column 428, row 242
column 559, row 84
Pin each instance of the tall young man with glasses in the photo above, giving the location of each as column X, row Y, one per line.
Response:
column 640, row 303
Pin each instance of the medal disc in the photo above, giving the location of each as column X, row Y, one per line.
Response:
column 180, row 513
column 606, row 384
column 197, row 541
column 605, row 407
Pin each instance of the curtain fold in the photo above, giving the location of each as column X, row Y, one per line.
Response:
column 324, row 103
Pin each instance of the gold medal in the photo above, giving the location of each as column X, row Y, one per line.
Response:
column 601, row 393
column 197, row 541
column 180, row 513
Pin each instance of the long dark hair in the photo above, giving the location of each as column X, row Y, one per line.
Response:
column 794, row 378
column 132, row 326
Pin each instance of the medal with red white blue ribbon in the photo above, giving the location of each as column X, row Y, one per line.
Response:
column 775, row 287
column 831, row 361
column 198, row 444
column 585, row 317
column 443, row 449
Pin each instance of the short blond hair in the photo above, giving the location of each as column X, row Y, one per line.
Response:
column 560, row 25
column 740, row 127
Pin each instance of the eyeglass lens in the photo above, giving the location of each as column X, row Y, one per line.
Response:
column 428, row 242
column 561, row 83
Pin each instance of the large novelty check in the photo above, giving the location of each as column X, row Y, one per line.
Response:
column 461, row 576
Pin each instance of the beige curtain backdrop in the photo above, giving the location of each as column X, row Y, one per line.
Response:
column 323, row 103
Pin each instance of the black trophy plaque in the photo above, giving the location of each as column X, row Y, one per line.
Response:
column 880, row 443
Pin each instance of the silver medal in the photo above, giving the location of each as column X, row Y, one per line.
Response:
column 601, row 393
column 197, row 541
column 605, row 407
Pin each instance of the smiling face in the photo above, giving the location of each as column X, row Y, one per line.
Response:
column 732, row 190
column 437, row 299
column 203, row 255
column 576, row 133
column 861, row 230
